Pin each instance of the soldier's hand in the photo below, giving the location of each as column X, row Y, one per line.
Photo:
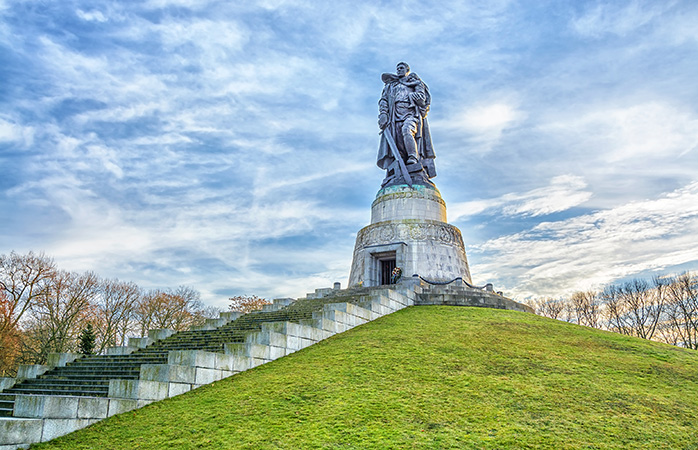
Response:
column 382, row 121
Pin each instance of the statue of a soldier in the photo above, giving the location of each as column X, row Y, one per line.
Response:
column 405, row 150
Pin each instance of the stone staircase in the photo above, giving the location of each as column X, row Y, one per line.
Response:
column 78, row 391
column 73, row 392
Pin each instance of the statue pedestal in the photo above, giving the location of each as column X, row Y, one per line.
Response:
column 408, row 230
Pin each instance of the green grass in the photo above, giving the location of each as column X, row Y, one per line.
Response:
column 435, row 377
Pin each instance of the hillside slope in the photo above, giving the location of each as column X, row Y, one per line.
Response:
column 434, row 377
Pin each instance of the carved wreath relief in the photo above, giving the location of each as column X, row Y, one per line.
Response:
column 387, row 233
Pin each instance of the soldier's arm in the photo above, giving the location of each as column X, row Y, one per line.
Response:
column 419, row 96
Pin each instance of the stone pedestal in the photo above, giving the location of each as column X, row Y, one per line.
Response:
column 408, row 230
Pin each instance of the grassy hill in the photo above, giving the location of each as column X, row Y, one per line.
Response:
column 435, row 377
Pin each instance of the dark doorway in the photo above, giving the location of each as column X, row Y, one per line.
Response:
column 387, row 267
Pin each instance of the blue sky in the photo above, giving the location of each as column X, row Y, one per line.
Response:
column 230, row 146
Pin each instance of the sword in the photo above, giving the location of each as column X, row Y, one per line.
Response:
column 396, row 155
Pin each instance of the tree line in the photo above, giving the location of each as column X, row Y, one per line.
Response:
column 664, row 309
column 44, row 310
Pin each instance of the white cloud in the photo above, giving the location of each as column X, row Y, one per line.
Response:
column 107, row 158
column 15, row 133
column 648, row 131
column 91, row 16
column 191, row 4
column 484, row 124
column 563, row 192
column 619, row 18
column 556, row 258
column 214, row 38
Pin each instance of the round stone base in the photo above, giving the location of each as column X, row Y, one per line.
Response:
column 408, row 230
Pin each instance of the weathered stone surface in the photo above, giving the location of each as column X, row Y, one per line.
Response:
column 14, row 446
column 46, row 406
column 225, row 362
column 93, row 408
column 408, row 224
column 118, row 406
column 138, row 389
column 230, row 315
column 404, row 203
column 241, row 363
column 254, row 362
column 257, row 351
column 168, row 373
column 20, row 431
column 121, row 350
column 139, row 342
column 61, row 359
column 194, row 358
column 25, row 371
column 54, row 428
column 178, row 389
column 207, row 376
column 466, row 296
column 7, row 382
column 215, row 323
column 123, row 389
column 160, row 333
column 152, row 390
column 276, row 352
column 281, row 302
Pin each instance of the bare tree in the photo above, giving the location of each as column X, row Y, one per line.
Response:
column 10, row 339
column 177, row 310
column 681, row 325
column 586, row 308
column 115, row 312
column 547, row 307
column 247, row 303
column 635, row 308
column 23, row 279
column 58, row 317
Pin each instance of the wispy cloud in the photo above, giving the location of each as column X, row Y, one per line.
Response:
column 562, row 193
column 618, row 18
column 482, row 125
column 556, row 258
column 641, row 132
column 14, row 133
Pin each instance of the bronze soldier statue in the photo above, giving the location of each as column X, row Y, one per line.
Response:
column 405, row 150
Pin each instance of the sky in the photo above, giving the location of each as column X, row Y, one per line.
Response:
column 230, row 146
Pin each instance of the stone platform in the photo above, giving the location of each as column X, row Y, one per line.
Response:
column 408, row 230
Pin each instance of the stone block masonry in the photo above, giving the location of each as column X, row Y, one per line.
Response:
column 408, row 230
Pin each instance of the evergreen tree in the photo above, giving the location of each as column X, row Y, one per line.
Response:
column 87, row 340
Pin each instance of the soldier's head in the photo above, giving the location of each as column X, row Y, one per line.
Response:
column 402, row 69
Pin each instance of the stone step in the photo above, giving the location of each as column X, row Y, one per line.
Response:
column 133, row 358
column 112, row 370
column 61, row 385
column 7, row 403
column 107, row 364
column 117, row 364
column 221, row 335
column 93, row 375
column 83, row 391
